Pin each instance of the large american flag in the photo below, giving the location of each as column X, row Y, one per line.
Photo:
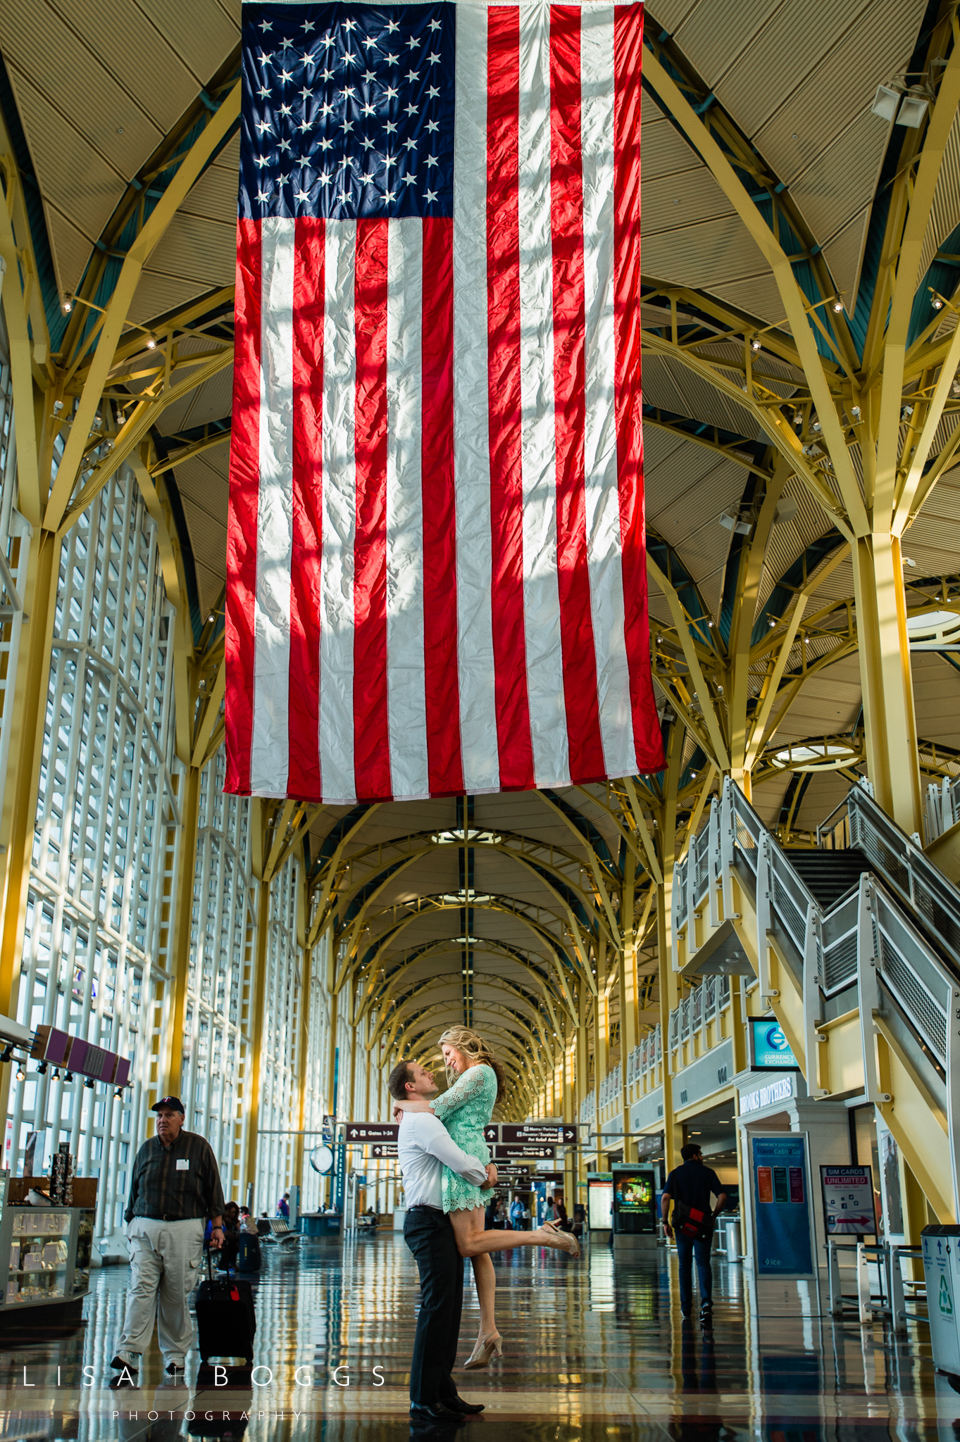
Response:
column 436, row 566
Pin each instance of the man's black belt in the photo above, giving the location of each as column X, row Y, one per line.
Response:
column 169, row 1217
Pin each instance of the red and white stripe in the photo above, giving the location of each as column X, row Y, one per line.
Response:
column 436, row 549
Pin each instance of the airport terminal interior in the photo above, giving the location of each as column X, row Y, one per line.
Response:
column 755, row 949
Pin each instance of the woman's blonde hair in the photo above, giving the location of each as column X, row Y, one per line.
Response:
column 474, row 1048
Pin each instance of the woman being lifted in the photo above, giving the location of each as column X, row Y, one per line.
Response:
column 474, row 1079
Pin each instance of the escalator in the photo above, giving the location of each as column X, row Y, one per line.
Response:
column 856, row 947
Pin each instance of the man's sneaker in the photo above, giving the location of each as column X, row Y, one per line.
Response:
column 173, row 1368
column 128, row 1360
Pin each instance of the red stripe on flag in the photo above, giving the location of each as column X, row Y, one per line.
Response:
column 569, row 385
column 441, row 677
column 628, row 50
column 503, row 366
column 304, row 706
column 242, row 519
column 370, row 723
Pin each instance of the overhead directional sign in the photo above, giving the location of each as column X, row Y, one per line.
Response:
column 508, row 1170
column 524, row 1153
column 360, row 1133
column 543, row 1134
column 383, row 1149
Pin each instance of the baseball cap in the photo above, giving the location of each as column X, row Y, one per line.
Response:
column 173, row 1102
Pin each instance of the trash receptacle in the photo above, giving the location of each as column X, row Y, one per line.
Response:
column 731, row 1237
column 941, row 1271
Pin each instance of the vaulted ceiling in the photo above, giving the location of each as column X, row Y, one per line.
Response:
column 474, row 908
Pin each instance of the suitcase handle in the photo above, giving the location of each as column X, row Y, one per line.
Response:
column 210, row 1266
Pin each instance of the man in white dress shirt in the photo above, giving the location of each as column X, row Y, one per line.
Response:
column 424, row 1147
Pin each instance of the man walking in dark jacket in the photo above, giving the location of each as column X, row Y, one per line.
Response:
column 692, row 1186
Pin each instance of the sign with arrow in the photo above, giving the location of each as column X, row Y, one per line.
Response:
column 361, row 1133
column 541, row 1133
column 544, row 1134
column 383, row 1149
column 524, row 1153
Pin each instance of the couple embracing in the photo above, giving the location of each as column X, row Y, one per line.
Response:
column 447, row 1181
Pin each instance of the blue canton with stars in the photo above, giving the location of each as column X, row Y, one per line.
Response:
column 347, row 110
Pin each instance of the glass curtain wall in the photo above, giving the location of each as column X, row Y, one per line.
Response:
column 217, row 1057
column 282, row 1045
column 105, row 844
column 104, row 880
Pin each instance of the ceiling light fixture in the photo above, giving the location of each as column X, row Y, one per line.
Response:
column 886, row 102
column 912, row 111
column 837, row 305
column 756, row 343
column 21, row 1074
column 151, row 343
column 730, row 523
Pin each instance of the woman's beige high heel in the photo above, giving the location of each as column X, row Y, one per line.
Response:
column 565, row 1241
column 483, row 1350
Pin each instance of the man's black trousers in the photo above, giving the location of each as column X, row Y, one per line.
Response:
column 429, row 1236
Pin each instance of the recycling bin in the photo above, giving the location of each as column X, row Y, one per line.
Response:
column 941, row 1271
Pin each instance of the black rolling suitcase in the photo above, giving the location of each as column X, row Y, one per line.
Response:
column 249, row 1256
column 226, row 1321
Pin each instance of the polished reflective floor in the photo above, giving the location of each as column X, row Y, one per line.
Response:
column 592, row 1350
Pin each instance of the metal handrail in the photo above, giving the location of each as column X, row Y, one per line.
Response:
column 866, row 940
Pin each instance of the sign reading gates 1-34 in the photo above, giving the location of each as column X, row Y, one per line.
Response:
column 360, row 1133
column 849, row 1204
column 535, row 1134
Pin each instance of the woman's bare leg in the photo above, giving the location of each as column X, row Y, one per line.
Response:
column 465, row 1226
column 473, row 1241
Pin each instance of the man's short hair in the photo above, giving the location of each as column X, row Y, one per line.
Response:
column 690, row 1151
column 397, row 1081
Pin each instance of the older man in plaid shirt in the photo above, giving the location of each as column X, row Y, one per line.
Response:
column 175, row 1187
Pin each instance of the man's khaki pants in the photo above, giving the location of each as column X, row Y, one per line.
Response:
column 165, row 1261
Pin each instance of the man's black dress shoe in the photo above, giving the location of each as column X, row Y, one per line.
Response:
column 466, row 1409
column 433, row 1412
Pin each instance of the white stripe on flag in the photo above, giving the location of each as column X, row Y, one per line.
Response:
column 471, row 433
column 339, row 515
column 600, row 439
column 271, row 679
column 541, row 593
column 406, row 681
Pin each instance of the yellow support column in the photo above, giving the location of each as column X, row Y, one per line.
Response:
column 29, row 709
column 601, row 1038
column 888, row 709
column 667, row 978
column 171, row 1076
column 258, row 984
column 627, row 961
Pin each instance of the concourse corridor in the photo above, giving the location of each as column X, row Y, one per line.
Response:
column 592, row 1350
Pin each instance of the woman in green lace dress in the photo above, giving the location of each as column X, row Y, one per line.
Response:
column 465, row 1109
